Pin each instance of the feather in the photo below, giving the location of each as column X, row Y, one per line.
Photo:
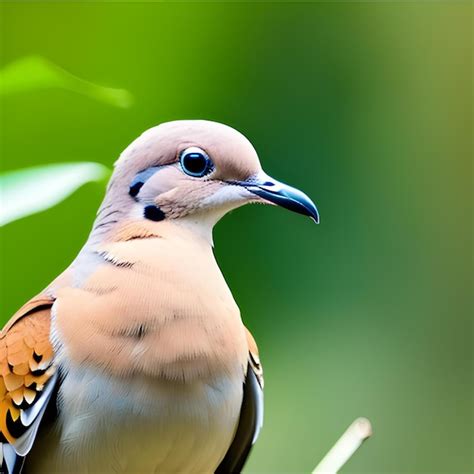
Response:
column 27, row 380
column 251, row 414
column 250, row 423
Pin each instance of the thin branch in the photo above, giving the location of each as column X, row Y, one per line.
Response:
column 345, row 447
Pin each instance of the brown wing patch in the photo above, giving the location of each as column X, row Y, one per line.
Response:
column 40, row 301
column 26, row 364
column 254, row 359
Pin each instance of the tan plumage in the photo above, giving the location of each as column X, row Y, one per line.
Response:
column 138, row 352
column 176, row 338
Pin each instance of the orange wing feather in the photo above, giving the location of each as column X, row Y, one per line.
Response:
column 254, row 359
column 26, row 364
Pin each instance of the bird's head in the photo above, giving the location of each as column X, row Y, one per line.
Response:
column 195, row 171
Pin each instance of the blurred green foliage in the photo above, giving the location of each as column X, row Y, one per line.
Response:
column 38, row 188
column 34, row 72
column 365, row 106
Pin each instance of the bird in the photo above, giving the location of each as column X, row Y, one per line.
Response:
column 135, row 359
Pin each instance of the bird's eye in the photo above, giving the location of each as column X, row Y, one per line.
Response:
column 195, row 162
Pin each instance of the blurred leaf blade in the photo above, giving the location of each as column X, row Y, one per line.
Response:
column 36, row 72
column 30, row 190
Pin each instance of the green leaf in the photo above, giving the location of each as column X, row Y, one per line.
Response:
column 35, row 72
column 30, row 190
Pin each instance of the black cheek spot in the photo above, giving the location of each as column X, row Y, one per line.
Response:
column 154, row 213
column 135, row 189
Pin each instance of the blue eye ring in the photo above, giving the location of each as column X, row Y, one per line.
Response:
column 195, row 162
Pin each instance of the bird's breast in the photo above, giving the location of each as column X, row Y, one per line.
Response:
column 155, row 307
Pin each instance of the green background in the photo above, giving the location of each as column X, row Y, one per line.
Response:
column 367, row 107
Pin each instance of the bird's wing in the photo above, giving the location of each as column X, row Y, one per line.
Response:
column 27, row 380
column 251, row 415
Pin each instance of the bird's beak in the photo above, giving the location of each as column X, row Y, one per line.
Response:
column 282, row 195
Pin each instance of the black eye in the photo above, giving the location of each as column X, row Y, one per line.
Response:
column 195, row 162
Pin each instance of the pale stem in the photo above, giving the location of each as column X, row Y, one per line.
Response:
column 345, row 447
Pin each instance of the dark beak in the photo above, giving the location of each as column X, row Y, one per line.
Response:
column 282, row 195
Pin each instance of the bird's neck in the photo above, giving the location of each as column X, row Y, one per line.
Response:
column 111, row 222
column 201, row 225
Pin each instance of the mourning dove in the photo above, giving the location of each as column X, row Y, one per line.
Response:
column 135, row 359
